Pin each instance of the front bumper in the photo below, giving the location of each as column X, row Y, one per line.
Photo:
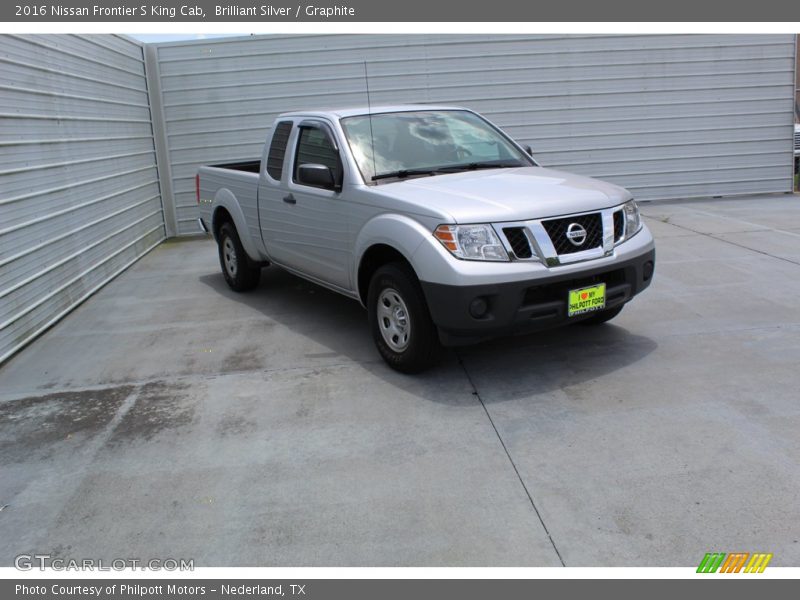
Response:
column 530, row 305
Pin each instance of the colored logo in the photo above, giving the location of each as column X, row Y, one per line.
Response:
column 736, row 562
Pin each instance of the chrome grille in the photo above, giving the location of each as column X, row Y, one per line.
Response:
column 557, row 230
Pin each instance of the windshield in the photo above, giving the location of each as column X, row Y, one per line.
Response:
column 426, row 142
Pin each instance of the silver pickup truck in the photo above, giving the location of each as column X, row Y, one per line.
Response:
column 441, row 225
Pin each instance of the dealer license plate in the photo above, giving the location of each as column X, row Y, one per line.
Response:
column 586, row 300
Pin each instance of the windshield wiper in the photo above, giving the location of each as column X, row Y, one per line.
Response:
column 474, row 166
column 403, row 173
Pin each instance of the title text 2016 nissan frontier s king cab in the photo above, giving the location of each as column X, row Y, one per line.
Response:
column 441, row 225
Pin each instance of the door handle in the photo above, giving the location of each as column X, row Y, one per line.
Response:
column 289, row 199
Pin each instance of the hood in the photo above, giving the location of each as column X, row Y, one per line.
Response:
column 515, row 194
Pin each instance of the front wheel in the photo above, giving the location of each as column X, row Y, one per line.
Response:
column 401, row 324
column 240, row 272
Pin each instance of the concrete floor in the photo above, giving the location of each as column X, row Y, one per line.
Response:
column 170, row 417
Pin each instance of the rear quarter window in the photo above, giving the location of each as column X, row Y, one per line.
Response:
column 277, row 149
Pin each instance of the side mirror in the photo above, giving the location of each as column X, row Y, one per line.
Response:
column 528, row 149
column 316, row 175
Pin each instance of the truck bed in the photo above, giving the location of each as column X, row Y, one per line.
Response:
column 240, row 179
column 249, row 166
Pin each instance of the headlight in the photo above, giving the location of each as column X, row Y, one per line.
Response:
column 633, row 222
column 471, row 242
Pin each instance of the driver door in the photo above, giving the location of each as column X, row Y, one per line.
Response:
column 318, row 240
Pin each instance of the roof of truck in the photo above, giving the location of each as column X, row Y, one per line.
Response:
column 364, row 110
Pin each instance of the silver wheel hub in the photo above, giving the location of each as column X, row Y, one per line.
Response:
column 229, row 256
column 394, row 322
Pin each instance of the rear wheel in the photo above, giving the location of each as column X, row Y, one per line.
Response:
column 240, row 272
column 603, row 316
column 401, row 325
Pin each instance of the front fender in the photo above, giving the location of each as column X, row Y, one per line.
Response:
column 397, row 231
column 224, row 198
column 426, row 255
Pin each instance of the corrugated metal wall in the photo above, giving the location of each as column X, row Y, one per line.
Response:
column 797, row 81
column 79, row 191
column 80, row 197
column 666, row 116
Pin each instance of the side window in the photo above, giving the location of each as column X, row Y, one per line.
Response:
column 313, row 146
column 277, row 149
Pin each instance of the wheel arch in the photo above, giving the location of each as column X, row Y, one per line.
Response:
column 383, row 239
column 226, row 208
column 220, row 216
column 374, row 258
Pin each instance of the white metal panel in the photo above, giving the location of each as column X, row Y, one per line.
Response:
column 669, row 116
column 79, row 192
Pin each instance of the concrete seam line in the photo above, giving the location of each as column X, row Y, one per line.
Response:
column 62, row 486
column 732, row 243
column 759, row 226
column 511, row 460
column 93, row 447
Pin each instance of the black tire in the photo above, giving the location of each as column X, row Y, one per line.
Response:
column 241, row 273
column 420, row 349
column 603, row 316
